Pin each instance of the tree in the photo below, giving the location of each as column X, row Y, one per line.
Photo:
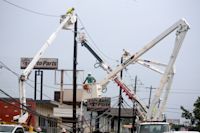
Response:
column 194, row 116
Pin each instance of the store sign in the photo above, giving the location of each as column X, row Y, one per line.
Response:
column 43, row 63
column 98, row 104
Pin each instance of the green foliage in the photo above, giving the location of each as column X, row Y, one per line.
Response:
column 194, row 116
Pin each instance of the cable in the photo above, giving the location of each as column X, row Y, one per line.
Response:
column 16, row 74
column 94, row 42
column 36, row 113
column 106, row 114
column 25, row 108
column 127, row 103
column 31, row 11
column 112, row 98
column 45, row 85
column 5, row 66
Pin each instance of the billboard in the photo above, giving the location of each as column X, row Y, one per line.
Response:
column 98, row 104
column 43, row 63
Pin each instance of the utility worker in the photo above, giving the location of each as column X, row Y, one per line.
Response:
column 89, row 81
column 31, row 129
column 70, row 10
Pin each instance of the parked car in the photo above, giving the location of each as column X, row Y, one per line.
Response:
column 5, row 128
column 183, row 132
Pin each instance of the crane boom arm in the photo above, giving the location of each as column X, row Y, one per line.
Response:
column 167, row 77
column 67, row 22
column 42, row 50
column 134, row 57
column 181, row 25
column 141, row 108
column 101, row 62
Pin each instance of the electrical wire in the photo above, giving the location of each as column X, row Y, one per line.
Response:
column 127, row 104
column 5, row 66
column 30, row 11
column 94, row 41
column 25, row 108
column 16, row 74
column 105, row 114
column 112, row 98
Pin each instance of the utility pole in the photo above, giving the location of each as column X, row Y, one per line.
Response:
column 134, row 110
column 150, row 92
column 61, row 86
column 91, row 122
column 120, row 100
column 74, row 78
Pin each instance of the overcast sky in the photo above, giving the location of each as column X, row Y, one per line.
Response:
column 113, row 25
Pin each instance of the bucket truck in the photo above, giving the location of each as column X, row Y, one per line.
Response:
column 155, row 113
column 141, row 108
column 67, row 21
column 181, row 28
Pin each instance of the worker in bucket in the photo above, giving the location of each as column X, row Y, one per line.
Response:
column 70, row 11
column 89, row 81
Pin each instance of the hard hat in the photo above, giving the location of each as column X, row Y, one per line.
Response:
column 38, row 129
column 89, row 74
column 63, row 130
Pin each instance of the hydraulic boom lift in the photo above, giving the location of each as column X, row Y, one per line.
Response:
column 67, row 21
column 181, row 28
column 141, row 108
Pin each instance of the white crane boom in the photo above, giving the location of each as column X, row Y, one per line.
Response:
column 182, row 27
column 166, row 80
column 151, row 65
column 181, row 23
column 68, row 20
column 141, row 108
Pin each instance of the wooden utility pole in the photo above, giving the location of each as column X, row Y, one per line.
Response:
column 150, row 93
column 120, row 100
column 74, row 78
column 61, row 86
column 134, row 108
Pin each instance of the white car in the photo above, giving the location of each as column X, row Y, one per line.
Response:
column 183, row 132
column 5, row 128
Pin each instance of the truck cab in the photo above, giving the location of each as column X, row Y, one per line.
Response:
column 153, row 127
column 6, row 128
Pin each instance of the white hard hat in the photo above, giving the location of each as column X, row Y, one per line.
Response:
column 63, row 130
column 38, row 129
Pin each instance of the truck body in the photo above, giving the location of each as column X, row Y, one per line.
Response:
column 153, row 127
column 6, row 128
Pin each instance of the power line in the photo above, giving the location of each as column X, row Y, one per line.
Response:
column 94, row 42
column 18, row 75
column 175, row 92
column 5, row 66
column 25, row 108
column 29, row 10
